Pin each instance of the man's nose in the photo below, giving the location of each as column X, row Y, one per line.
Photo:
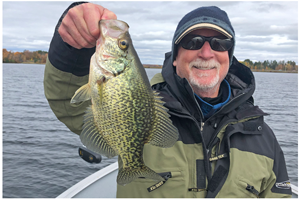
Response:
column 206, row 52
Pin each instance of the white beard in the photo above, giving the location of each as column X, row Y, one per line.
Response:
column 200, row 64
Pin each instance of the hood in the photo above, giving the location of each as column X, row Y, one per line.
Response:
column 240, row 78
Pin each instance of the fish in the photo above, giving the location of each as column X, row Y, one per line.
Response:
column 125, row 113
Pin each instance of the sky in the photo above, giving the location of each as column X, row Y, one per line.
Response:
column 265, row 30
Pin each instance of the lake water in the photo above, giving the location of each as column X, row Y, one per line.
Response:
column 40, row 155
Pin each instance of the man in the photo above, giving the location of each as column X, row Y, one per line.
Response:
column 225, row 149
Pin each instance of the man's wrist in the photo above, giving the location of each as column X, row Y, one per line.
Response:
column 67, row 58
column 66, row 11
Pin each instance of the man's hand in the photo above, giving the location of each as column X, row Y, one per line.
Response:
column 80, row 26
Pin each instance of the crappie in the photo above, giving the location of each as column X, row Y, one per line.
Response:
column 125, row 113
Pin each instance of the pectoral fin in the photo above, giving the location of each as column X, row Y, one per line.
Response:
column 82, row 94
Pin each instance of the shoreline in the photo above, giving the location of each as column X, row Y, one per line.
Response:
column 273, row 71
column 153, row 66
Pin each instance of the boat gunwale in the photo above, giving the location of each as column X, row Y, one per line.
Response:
column 81, row 185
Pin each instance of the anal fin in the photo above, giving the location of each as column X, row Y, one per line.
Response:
column 127, row 175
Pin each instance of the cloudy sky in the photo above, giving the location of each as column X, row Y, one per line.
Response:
column 265, row 30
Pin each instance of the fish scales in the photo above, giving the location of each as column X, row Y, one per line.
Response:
column 125, row 113
column 122, row 110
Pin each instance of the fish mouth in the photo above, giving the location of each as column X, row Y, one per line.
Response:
column 107, row 57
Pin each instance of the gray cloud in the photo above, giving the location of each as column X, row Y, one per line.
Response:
column 265, row 30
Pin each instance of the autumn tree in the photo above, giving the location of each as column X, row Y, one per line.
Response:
column 25, row 56
column 258, row 65
column 293, row 64
column 5, row 54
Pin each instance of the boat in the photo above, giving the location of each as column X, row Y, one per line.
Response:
column 97, row 184
column 90, row 187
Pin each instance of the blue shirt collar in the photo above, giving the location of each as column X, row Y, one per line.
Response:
column 209, row 109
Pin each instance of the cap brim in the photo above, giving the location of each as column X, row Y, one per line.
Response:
column 202, row 26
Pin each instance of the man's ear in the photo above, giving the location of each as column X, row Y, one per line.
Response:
column 175, row 63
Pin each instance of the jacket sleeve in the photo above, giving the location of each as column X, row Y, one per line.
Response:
column 278, row 185
column 66, row 70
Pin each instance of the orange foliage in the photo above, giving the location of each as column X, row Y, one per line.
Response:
column 25, row 56
column 271, row 65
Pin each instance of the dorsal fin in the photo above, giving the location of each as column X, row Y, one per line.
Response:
column 164, row 133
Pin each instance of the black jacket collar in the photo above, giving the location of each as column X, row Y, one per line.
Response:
column 240, row 78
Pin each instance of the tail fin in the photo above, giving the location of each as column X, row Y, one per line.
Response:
column 127, row 175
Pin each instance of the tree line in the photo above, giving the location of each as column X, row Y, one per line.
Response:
column 40, row 57
column 26, row 56
column 272, row 65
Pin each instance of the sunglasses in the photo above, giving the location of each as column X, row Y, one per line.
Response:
column 195, row 42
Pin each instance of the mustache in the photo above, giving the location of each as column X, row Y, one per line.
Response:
column 201, row 64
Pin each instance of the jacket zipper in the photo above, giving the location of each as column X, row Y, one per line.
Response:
column 205, row 151
column 217, row 130
column 202, row 123
column 201, row 131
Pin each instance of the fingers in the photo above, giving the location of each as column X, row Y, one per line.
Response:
column 75, row 33
column 84, row 17
column 80, row 26
column 92, row 16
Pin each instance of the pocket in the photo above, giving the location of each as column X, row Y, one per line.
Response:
column 173, row 187
column 167, row 176
column 175, row 175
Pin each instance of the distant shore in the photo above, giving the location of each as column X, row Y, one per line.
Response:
column 253, row 70
column 40, row 57
column 274, row 71
column 160, row 67
column 152, row 66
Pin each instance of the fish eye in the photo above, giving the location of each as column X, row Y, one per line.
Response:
column 123, row 44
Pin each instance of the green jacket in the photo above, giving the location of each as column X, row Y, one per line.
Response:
column 231, row 154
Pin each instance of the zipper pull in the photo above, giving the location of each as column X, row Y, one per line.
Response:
column 201, row 127
column 159, row 184
column 252, row 190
